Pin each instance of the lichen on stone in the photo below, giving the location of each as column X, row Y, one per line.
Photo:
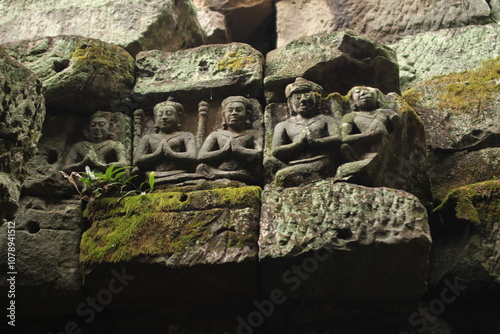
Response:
column 236, row 61
column 463, row 92
column 92, row 54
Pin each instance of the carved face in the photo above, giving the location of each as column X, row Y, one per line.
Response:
column 304, row 104
column 99, row 129
column 364, row 98
column 235, row 115
column 166, row 118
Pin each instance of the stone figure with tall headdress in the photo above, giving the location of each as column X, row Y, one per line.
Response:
column 169, row 151
column 235, row 150
column 304, row 145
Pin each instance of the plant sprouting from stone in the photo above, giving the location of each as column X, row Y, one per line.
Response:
column 98, row 185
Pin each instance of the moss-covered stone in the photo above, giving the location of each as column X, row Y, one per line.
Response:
column 460, row 110
column 79, row 74
column 478, row 203
column 167, row 223
column 206, row 72
column 467, row 91
column 95, row 55
column 467, row 237
column 435, row 53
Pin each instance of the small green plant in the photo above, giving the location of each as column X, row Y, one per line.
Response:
column 98, row 185
column 141, row 190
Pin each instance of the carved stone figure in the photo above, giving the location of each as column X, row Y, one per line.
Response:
column 100, row 150
column 304, row 146
column 235, row 151
column 168, row 151
column 366, row 128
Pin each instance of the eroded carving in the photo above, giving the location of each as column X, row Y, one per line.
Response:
column 100, row 150
column 366, row 129
column 305, row 146
column 235, row 150
column 170, row 152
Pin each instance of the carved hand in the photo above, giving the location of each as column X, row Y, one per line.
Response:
column 167, row 151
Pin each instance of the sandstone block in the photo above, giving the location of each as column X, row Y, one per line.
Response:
column 337, row 241
column 337, row 61
column 136, row 26
column 203, row 73
column 79, row 75
column 184, row 245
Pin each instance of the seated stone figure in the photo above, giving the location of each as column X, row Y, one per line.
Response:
column 365, row 129
column 235, row 151
column 304, row 146
column 169, row 152
column 99, row 151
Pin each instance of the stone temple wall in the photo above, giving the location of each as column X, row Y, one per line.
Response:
column 209, row 167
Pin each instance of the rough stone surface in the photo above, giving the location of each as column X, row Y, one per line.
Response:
column 214, row 71
column 383, row 20
column 22, row 111
column 44, row 177
column 340, row 236
column 450, row 170
column 248, row 21
column 460, row 110
column 429, row 54
column 140, row 25
column 214, row 25
column 193, row 243
column 495, row 9
column 467, row 240
column 79, row 75
column 47, row 237
column 338, row 61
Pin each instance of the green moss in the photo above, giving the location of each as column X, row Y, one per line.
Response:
column 412, row 97
column 94, row 55
column 469, row 90
column 160, row 223
column 235, row 61
column 478, row 203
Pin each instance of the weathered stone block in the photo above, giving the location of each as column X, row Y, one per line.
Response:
column 383, row 20
column 244, row 21
column 203, row 73
column 337, row 241
column 446, row 51
column 47, row 238
column 22, row 111
column 337, row 61
column 460, row 110
column 450, row 170
column 136, row 26
column 79, row 75
column 467, row 237
column 184, row 245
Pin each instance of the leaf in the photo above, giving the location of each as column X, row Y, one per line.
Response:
column 151, row 180
column 109, row 172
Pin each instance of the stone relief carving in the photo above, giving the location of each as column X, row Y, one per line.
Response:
column 169, row 152
column 365, row 130
column 305, row 146
column 234, row 151
column 100, row 149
